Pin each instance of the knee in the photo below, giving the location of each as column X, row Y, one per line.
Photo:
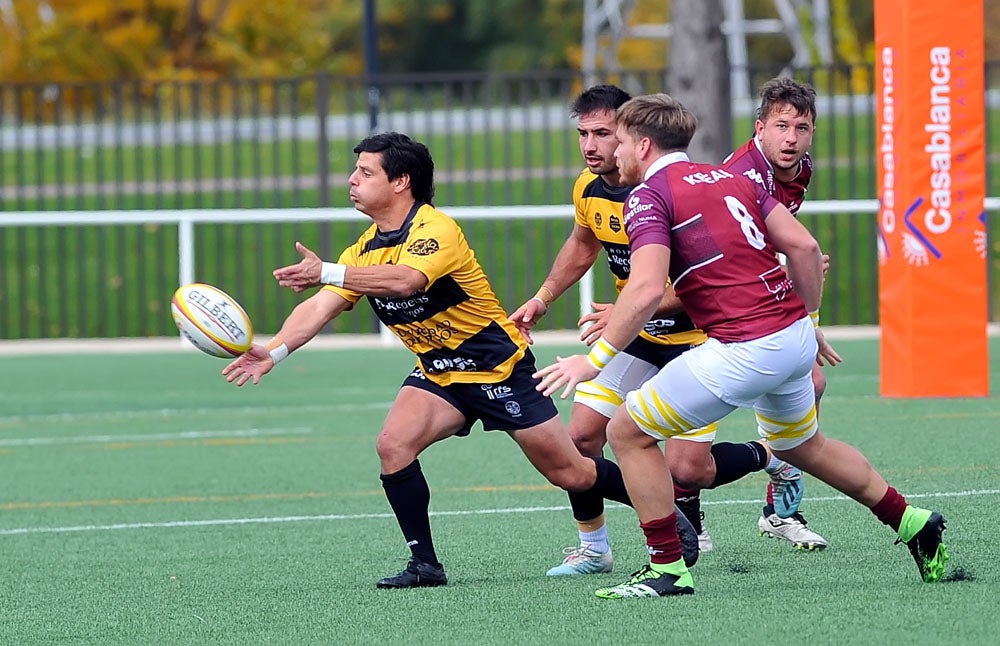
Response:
column 392, row 453
column 588, row 441
column 688, row 475
column 579, row 476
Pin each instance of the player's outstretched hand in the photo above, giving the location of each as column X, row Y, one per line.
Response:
column 252, row 364
column 566, row 371
column 826, row 350
column 598, row 319
column 527, row 316
column 303, row 274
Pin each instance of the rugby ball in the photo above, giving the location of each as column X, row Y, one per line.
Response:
column 211, row 320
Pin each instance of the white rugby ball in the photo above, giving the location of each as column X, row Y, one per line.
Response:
column 211, row 320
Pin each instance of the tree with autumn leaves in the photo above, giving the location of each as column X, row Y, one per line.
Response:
column 64, row 40
column 81, row 40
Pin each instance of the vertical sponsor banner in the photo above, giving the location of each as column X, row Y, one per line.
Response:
column 931, row 180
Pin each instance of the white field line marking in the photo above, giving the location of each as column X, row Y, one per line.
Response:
column 170, row 412
column 153, row 437
column 15, row 531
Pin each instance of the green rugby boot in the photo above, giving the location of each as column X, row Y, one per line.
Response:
column 648, row 582
column 921, row 531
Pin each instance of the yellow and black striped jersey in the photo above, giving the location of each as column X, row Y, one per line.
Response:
column 455, row 326
column 599, row 207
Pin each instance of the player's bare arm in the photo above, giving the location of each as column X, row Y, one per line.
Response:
column 804, row 259
column 576, row 256
column 635, row 306
column 377, row 280
column 805, row 268
column 597, row 320
column 305, row 322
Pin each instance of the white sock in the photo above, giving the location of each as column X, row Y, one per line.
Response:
column 774, row 464
column 597, row 540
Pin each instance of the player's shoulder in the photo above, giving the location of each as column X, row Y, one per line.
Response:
column 742, row 157
column 583, row 180
column 428, row 213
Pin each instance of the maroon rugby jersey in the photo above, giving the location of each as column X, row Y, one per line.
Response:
column 722, row 266
column 750, row 161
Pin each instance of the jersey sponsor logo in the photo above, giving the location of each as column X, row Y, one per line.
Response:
column 513, row 408
column 777, row 282
column 632, row 212
column 396, row 304
column 755, row 176
column 716, row 175
column 659, row 327
column 497, row 392
column 435, row 336
column 445, row 364
column 418, row 374
column 424, row 247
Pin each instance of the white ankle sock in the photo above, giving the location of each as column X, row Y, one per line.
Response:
column 597, row 540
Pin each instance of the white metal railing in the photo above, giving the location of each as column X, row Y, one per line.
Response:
column 186, row 219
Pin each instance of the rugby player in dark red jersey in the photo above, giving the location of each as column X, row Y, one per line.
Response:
column 716, row 235
column 777, row 157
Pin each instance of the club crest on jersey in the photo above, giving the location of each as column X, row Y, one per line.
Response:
column 614, row 223
column 423, row 247
column 597, row 220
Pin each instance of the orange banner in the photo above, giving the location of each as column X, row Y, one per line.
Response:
column 930, row 146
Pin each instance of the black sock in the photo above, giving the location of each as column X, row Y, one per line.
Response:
column 589, row 504
column 690, row 506
column 610, row 483
column 733, row 461
column 409, row 496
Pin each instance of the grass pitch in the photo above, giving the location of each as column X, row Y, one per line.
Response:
column 146, row 501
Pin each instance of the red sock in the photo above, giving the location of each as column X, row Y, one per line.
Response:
column 661, row 539
column 890, row 509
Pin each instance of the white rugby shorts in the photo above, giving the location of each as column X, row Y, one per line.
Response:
column 772, row 375
column 624, row 374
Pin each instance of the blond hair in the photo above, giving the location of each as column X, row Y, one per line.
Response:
column 661, row 118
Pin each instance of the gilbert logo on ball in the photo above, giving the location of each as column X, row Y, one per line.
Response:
column 211, row 320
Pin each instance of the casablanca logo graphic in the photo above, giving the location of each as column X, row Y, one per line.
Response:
column 914, row 251
column 917, row 248
column 979, row 237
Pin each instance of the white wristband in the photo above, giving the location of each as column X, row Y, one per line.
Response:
column 333, row 274
column 602, row 353
column 279, row 353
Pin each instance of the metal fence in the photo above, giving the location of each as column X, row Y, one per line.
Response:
column 498, row 140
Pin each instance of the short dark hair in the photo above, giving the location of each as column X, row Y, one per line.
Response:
column 402, row 155
column 599, row 97
column 783, row 90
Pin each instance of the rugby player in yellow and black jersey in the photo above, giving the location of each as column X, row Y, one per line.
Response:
column 424, row 282
column 599, row 197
